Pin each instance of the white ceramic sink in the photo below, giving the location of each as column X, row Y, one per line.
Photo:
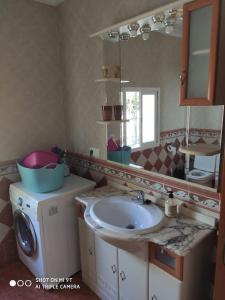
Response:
column 123, row 215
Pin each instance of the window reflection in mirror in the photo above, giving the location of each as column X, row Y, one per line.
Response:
column 155, row 64
column 157, row 125
column 142, row 109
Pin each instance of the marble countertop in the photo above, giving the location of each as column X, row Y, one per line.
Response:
column 179, row 235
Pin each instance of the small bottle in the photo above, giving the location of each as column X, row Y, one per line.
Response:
column 171, row 206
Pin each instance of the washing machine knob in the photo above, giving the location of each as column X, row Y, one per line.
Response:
column 20, row 201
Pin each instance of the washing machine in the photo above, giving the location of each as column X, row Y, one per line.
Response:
column 46, row 228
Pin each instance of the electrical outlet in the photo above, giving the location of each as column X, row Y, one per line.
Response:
column 94, row 152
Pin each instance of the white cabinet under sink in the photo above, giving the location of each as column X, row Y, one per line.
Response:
column 133, row 275
column 163, row 286
column 106, row 269
column 87, row 250
column 172, row 277
column 120, row 274
column 146, row 271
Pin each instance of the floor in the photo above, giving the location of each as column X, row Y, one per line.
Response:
column 17, row 271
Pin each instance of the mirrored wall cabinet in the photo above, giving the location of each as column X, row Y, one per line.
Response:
column 202, row 58
column 201, row 24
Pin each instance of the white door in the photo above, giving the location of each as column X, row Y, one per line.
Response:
column 163, row 286
column 133, row 276
column 87, row 250
column 106, row 269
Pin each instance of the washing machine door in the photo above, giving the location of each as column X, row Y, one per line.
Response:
column 25, row 233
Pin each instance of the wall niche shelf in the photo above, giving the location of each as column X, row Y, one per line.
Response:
column 200, row 149
column 101, row 122
column 115, row 80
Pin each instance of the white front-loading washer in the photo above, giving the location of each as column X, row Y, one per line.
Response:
column 46, row 228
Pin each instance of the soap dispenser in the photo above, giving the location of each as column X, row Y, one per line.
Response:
column 171, row 206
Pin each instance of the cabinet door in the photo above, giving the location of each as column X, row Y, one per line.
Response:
column 133, row 276
column 87, row 250
column 199, row 52
column 162, row 286
column 106, row 269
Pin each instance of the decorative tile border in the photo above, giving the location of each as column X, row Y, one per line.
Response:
column 193, row 132
column 175, row 133
column 159, row 159
column 193, row 194
column 205, row 133
column 8, row 168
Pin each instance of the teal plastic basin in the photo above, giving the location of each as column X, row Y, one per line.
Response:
column 122, row 157
column 42, row 180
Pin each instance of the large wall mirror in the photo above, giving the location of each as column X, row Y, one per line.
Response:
column 154, row 128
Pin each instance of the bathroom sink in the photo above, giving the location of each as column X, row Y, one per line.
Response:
column 123, row 215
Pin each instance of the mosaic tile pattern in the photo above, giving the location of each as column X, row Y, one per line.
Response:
column 159, row 159
column 197, row 196
column 208, row 136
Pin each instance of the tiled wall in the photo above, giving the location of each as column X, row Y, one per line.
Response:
column 198, row 197
column 159, row 159
column 8, row 251
column 208, row 136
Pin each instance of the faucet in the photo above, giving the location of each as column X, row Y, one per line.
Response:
column 140, row 196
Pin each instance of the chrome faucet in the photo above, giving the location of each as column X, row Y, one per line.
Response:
column 140, row 196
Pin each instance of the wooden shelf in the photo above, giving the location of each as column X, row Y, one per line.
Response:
column 201, row 52
column 147, row 15
column 115, row 80
column 111, row 122
column 201, row 149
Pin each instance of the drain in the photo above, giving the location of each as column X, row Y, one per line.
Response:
column 130, row 226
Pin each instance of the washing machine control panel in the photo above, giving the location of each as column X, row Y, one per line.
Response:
column 19, row 201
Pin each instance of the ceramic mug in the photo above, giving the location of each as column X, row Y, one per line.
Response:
column 117, row 110
column 107, row 112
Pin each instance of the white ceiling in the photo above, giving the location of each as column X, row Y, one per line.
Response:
column 50, row 2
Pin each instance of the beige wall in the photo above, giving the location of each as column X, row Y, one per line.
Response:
column 32, row 76
column 156, row 63
column 83, row 58
column 209, row 117
column 31, row 111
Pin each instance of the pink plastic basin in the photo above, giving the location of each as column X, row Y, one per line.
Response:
column 39, row 159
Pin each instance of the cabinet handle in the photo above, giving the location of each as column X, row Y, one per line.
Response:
column 114, row 269
column 90, row 251
column 154, row 297
column 183, row 77
column 122, row 275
